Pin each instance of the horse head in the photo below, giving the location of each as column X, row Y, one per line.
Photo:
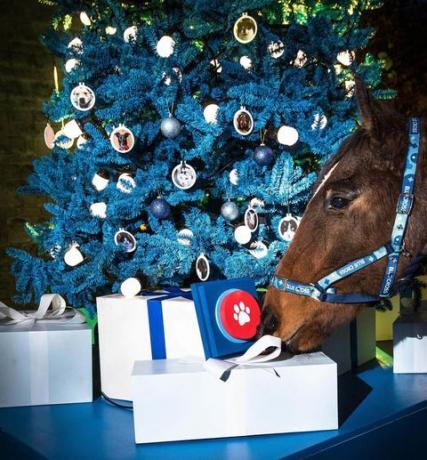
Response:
column 350, row 214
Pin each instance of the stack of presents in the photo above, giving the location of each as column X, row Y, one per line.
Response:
column 170, row 353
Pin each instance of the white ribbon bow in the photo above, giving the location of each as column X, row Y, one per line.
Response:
column 253, row 355
column 56, row 315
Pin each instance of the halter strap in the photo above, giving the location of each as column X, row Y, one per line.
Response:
column 322, row 290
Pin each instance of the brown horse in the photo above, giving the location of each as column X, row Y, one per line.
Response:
column 350, row 214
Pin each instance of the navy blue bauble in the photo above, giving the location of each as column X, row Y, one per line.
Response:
column 160, row 208
column 263, row 155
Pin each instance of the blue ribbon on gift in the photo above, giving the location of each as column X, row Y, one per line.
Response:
column 155, row 318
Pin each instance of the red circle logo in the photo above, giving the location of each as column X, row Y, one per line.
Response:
column 240, row 314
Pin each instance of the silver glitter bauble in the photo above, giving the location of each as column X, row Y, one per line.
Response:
column 170, row 127
column 230, row 210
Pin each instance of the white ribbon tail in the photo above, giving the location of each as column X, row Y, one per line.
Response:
column 222, row 368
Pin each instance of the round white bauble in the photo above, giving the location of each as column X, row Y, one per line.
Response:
column 76, row 45
column 287, row 135
column 99, row 182
column 234, row 176
column 230, row 210
column 73, row 256
column 211, row 113
column 109, row 30
column 99, row 209
column 84, row 18
column 165, row 46
column 185, row 237
column 81, row 140
column 319, row 121
column 129, row 35
column 126, row 183
column 258, row 249
column 242, row 234
column 276, row 49
column 130, row 287
column 71, row 64
column 346, row 57
column 246, row 62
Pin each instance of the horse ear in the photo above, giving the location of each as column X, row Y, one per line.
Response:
column 368, row 107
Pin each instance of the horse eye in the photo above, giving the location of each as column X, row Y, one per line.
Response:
column 338, row 202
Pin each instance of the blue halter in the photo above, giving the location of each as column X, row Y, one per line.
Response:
column 322, row 290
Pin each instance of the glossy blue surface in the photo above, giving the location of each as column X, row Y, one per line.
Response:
column 369, row 402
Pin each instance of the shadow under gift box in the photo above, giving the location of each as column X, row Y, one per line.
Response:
column 177, row 400
column 45, row 363
column 162, row 324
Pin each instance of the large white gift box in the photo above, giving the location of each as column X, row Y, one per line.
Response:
column 180, row 400
column 410, row 344
column 143, row 327
column 44, row 358
column 353, row 344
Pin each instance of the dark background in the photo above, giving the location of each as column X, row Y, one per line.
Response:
column 26, row 81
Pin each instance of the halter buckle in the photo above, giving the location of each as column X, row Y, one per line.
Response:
column 405, row 203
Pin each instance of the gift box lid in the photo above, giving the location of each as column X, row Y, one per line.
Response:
column 228, row 314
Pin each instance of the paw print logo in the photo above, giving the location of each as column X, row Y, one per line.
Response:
column 242, row 313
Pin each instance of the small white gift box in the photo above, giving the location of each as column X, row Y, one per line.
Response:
column 410, row 344
column 180, row 400
column 142, row 328
column 45, row 358
column 353, row 344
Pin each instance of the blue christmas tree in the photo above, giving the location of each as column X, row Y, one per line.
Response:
column 188, row 138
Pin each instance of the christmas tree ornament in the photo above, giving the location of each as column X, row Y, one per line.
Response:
column 263, row 155
column 288, row 226
column 72, row 129
column 210, row 113
column 49, row 136
column 143, row 227
column 110, row 30
column 203, row 268
column 81, row 140
column 98, row 209
column 256, row 203
column 125, row 239
column 61, row 140
column 76, row 45
column 230, row 210
column 319, row 121
column 84, row 18
column 100, row 180
column 243, row 122
column 300, row 59
column 71, row 64
column 130, row 287
column 258, row 249
column 276, row 49
column 185, row 237
column 184, row 176
column 160, row 208
column 82, row 97
column 287, row 135
column 170, row 127
column 165, row 46
column 245, row 29
column 129, row 35
column 234, row 176
column 349, row 86
column 122, row 139
column 126, row 183
column 251, row 219
column 73, row 256
column 242, row 234
column 346, row 57
column 245, row 62
column 217, row 67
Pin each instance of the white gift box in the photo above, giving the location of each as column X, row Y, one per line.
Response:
column 353, row 344
column 126, row 335
column 180, row 400
column 45, row 363
column 410, row 344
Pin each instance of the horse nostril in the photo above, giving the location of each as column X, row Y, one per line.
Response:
column 269, row 322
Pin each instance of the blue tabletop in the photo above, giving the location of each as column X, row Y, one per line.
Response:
column 372, row 397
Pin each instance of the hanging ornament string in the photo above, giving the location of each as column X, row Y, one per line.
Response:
column 55, row 79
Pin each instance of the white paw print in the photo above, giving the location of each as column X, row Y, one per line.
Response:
column 241, row 313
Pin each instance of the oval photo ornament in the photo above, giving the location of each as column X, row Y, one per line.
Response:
column 287, row 227
column 82, row 97
column 122, row 139
column 245, row 29
column 251, row 219
column 243, row 122
column 126, row 240
column 184, row 176
column 203, row 268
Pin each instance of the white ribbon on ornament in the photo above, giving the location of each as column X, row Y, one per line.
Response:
column 222, row 368
column 57, row 314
